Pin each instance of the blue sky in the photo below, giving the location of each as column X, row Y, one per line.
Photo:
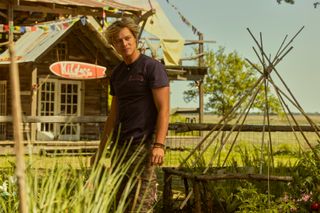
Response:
column 225, row 21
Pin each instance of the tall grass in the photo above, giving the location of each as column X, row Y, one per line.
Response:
column 64, row 188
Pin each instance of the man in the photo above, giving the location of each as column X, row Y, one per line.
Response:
column 140, row 107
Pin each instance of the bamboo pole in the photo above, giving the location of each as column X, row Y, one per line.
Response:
column 17, row 119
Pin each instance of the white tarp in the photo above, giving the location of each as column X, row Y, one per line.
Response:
column 159, row 25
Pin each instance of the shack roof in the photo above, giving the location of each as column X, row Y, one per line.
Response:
column 32, row 45
column 89, row 3
column 72, row 7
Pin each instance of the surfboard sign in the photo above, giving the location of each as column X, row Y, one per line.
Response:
column 77, row 70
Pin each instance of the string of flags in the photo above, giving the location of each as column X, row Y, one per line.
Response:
column 185, row 20
column 54, row 26
column 48, row 27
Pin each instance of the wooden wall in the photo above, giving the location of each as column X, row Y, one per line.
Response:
column 94, row 96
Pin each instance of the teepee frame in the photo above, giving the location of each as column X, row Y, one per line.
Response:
column 267, row 66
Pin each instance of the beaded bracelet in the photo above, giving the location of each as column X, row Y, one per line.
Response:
column 159, row 145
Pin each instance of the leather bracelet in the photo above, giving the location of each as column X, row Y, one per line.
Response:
column 159, row 145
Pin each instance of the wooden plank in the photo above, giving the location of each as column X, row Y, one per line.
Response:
column 187, row 41
column 197, row 196
column 231, row 176
column 179, row 127
column 186, row 127
column 57, row 119
column 167, row 193
column 25, row 93
column 61, row 10
column 55, row 143
column 66, row 148
column 34, row 101
column 201, row 102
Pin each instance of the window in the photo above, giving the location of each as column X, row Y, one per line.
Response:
column 60, row 52
column 59, row 97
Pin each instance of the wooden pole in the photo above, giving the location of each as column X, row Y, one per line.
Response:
column 17, row 118
column 34, row 102
column 167, row 192
column 197, row 196
column 200, row 84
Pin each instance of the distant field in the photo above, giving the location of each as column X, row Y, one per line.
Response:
column 274, row 119
column 281, row 142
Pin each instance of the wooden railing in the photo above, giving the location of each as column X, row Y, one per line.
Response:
column 178, row 127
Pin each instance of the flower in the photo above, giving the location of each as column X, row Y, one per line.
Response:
column 4, row 187
column 306, row 197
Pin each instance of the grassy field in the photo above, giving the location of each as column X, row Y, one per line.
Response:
column 283, row 145
column 248, row 152
column 274, row 119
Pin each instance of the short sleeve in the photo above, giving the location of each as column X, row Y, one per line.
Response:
column 157, row 75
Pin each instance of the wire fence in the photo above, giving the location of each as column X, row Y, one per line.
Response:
column 178, row 147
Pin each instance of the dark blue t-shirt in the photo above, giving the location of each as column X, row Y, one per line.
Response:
column 132, row 84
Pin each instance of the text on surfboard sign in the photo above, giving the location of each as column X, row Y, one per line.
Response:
column 77, row 70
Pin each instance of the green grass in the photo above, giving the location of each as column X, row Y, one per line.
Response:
column 246, row 153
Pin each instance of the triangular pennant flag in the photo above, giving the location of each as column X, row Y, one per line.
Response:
column 22, row 29
column 65, row 25
column 6, row 28
column 17, row 29
column 52, row 27
column 83, row 20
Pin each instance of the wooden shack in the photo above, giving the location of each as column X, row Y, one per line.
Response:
column 44, row 94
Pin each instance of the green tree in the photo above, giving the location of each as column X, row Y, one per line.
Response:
column 286, row 1
column 229, row 77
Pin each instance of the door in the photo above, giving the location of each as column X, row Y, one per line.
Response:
column 59, row 97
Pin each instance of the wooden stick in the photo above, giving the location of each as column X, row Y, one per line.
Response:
column 230, row 176
column 17, row 119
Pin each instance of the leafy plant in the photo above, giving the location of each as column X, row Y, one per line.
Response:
column 254, row 201
column 305, row 188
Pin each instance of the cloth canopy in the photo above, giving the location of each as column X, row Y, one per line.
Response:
column 159, row 25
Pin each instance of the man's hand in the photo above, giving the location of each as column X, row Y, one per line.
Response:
column 157, row 156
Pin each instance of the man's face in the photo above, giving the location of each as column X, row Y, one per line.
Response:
column 125, row 43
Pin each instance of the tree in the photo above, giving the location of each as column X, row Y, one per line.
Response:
column 229, row 77
column 286, row 1
column 315, row 4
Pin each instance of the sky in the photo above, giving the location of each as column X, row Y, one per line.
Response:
column 226, row 22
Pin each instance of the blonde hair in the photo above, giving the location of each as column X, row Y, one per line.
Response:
column 113, row 30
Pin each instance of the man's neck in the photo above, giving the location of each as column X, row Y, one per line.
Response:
column 132, row 58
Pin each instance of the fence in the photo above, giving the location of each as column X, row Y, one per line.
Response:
column 251, row 134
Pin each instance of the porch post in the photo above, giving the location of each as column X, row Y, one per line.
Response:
column 34, row 87
column 200, row 83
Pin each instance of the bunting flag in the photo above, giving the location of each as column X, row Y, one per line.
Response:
column 185, row 20
column 56, row 26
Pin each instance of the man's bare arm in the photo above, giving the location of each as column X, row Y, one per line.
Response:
column 161, row 100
